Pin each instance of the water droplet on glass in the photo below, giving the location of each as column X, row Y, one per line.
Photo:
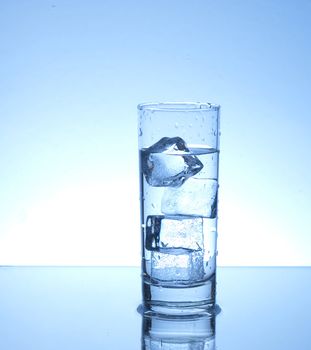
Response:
column 140, row 133
column 176, row 125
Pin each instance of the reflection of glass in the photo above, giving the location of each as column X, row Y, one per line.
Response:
column 178, row 153
column 180, row 333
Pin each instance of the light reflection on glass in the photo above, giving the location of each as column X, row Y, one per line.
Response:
column 195, row 332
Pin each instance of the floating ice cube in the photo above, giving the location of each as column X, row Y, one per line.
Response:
column 178, row 232
column 169, row 163
column 197, row 197
column 177, row 265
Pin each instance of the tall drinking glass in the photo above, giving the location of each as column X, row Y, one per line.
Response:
column 178, row 159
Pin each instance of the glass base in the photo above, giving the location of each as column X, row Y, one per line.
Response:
column 180, row 300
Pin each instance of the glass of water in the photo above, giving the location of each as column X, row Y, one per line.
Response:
column 178, row 160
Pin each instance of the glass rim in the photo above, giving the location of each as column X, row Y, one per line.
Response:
column 177, row 106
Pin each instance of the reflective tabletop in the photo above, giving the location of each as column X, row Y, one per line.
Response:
column 96, row 308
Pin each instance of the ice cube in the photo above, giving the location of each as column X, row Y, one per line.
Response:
column 197, row 197
column 177, row 265
column 169, row 163
column 178, row 232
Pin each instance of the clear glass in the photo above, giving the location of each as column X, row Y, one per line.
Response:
column 178, row 161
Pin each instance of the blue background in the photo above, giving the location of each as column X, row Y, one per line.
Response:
column 72, row 73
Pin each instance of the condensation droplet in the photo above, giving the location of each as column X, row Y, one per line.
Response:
column 190, row 125
column 176, row 125
column 153, row 206
column 140, row 133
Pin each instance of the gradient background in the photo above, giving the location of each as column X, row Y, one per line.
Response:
column 72, row 73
